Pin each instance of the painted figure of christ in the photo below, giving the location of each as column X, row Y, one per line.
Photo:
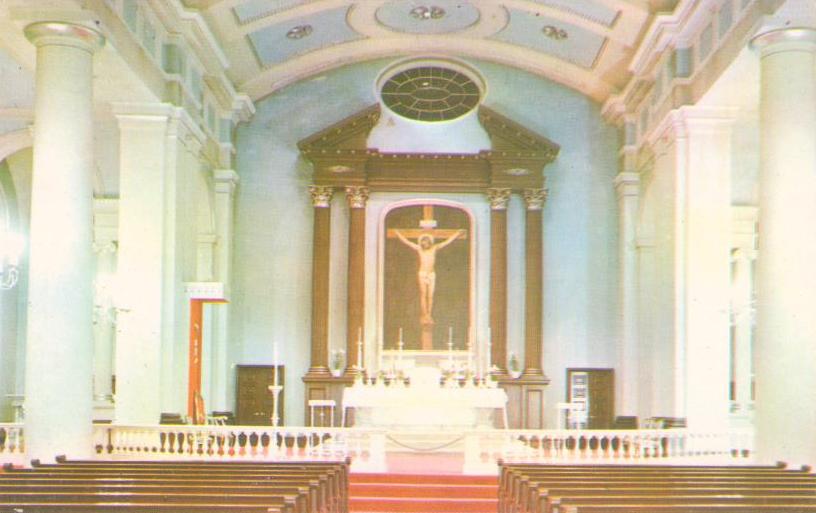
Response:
column 426, row 268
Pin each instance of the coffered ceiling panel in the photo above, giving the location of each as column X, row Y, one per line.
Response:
column 549, row 35
column 443, row 16
column 599, row 12
column 282, row 41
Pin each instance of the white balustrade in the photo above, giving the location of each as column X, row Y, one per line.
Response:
column 12, row 443
column 367, row 447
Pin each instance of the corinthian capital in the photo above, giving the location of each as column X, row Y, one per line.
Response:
column 535, row 198
column 321, row 195
column 356, row 196
column 498, row 198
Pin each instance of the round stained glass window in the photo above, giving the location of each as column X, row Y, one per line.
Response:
column 430, row 93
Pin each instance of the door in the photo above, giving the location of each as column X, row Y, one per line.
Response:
column 596, row 387
column 254, row 400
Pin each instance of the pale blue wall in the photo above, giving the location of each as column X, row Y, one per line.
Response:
column 272, row 283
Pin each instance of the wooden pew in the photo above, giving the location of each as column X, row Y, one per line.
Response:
column 534, row 488
column 245, row 487
column 517, row 480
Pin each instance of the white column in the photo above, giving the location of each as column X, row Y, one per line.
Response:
column 785, row 347
column 627, row 185
column 144, row 174
column 707, row 265
column 742, row 320
column 225, row 182
column 59, row 350
column 104, row 320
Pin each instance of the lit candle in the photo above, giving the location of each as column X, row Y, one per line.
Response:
column 450, row 335
column 275, row 363
column 400, row 335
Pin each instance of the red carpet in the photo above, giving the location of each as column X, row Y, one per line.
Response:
column 413, row 493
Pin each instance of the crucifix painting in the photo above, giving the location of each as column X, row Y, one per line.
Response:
column 427, row 276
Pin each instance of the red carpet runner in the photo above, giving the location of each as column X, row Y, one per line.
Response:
column 407, row 493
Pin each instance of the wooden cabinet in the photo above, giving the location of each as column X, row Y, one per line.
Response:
column 596, row 387
column 253, row 402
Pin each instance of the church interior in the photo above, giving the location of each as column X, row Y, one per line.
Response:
column 392, row 235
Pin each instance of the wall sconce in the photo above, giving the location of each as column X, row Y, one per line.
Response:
column 11, row 247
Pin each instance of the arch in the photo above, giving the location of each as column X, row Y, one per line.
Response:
column 570, row 75
column 12, row 142
column 472, row 256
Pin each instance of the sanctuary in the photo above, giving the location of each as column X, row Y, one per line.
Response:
column 518, row 230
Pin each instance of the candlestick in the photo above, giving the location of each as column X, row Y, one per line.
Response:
column 275, row 363
column 400, row 336
column 450, row 334
column 360, row 354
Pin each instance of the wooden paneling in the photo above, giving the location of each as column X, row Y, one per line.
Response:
column 525, row 401
column 253, row 398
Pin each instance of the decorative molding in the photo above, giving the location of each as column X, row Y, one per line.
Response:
column 535, row 198
column 627, row 184
column 206, row 290
column 226, row 180
column 321, row 195
column 44, row 33
column 498, row 197
column 784, row 39
column 356, row 196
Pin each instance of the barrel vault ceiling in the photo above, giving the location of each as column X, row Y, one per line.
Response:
column 583, row 44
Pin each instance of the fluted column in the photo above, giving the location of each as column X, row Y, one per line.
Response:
column 355, row 320
column 59, row 351
column 785, row 351
column 498, row 197
column 534, row 199
column 627, row 185
column 321, row 200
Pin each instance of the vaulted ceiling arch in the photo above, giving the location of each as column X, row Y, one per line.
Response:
column 582, row 44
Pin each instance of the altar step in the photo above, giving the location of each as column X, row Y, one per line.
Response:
column 422, row 493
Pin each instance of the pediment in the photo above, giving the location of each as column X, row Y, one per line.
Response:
column 506, row 135
column 341, row 158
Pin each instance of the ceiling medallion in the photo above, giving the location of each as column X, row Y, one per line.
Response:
column 299, row 32
column 554, row 32
column 423, row 12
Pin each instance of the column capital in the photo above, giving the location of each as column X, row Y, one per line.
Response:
column 357, row 196
column 321, row 195
column 226, row 180
column 535, row 198
column 498, row 197
column 44, row 33
column 627, row 184
column 785, row 40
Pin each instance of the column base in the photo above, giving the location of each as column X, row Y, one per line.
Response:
column 533, row 373
column 318, row 372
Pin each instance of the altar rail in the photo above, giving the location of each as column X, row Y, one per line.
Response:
column 594, row 446
column 12, row 446
column 367, row 447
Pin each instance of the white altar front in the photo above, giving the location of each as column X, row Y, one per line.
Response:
column 425, row 404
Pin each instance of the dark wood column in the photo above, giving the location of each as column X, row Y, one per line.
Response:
column 498, row 277
column 321, row 199
column 534, row 199
column 355, row 317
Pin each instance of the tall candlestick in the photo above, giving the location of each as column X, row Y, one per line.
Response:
column 275, row 363
column 360, row 353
